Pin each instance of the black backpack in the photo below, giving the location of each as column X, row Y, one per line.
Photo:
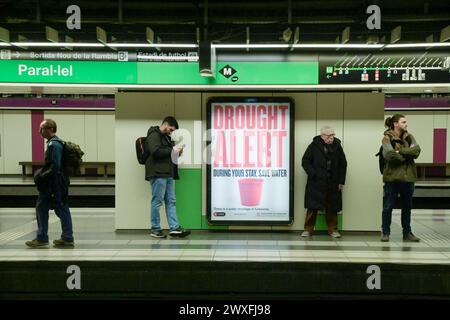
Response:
column 381, row 160
column 71, row 159
column 142, row 152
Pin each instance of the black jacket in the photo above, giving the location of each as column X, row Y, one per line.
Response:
column 159, row 163
column 320, row 179
column 50, row 179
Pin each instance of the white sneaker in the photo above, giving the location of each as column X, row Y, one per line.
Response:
column 306, row 234
column 335, row 234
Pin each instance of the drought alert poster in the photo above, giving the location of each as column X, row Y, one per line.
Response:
column 249, row 178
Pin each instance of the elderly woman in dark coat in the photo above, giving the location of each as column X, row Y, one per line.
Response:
column 325, row 164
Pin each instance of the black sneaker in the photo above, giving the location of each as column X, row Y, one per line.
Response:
column 179, row 232
column 63, row 243
column 158, row 234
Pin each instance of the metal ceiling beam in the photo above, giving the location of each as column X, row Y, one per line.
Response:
column 417, row 18
column 120, row 11
column 232, row 20
column 38, row 12
column 289, row 11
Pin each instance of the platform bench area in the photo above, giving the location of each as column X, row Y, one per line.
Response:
column 88, row 168
column 432, row 170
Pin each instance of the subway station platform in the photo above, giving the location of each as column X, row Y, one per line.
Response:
column 212, row 264
column 98, row 191
column 95, row 191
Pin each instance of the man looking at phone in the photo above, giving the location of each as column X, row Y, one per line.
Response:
column 161, row 170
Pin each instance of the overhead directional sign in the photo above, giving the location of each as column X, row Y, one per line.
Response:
column 181, row 68
column 65, row 55
column 357, row 68
column 123, row 56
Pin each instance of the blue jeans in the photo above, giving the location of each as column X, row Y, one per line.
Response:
column 391, row 191
column 163, row 190
column 46, row 202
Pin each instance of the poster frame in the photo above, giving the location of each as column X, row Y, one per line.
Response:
column 253, row 99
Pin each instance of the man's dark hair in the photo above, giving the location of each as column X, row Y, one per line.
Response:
column 171, row 121
column 51, row 124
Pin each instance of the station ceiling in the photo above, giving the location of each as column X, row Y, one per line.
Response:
column 226, row 21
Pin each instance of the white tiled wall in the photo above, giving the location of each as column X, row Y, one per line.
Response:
column 15, row 131
column 92, row 130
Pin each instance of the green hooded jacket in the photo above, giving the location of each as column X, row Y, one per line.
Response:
column 399, row 164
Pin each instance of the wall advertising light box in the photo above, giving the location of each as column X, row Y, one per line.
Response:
column 250, row 160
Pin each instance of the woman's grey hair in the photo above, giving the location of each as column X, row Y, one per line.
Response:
column 327, row 130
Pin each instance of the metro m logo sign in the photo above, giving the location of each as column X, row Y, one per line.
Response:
column 227, row 71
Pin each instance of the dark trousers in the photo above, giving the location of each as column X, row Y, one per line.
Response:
column 391, row 192
column 45, row 202
column 330, row 216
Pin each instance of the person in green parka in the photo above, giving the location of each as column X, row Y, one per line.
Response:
column 400, row 149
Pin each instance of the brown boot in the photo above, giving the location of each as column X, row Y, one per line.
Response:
column 35, row 243
column 410, row 238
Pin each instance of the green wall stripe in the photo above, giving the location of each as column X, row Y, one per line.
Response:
column 189, row 201
column 189, row 198
column 321, row 223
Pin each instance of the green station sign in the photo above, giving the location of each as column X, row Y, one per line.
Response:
column 230, row 73
column 76, row 72
column 157, row 73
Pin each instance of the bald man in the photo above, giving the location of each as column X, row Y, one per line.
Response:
column 52, row 185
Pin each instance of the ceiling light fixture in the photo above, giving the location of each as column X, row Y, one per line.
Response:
column 298, row 45
column 418, row 45
column 151, row 45
column 56, row 44
column 336, row 46
column 229, row 46
column 250, row 46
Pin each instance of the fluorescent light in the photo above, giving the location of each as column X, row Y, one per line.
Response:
column 419, row 45
column 151, row 45
column 234, row 87
column 113, row 45
column 169, row 58
column 281, row 46
column 250, row 46
column 56, row 44
column 228, row 46
column 336, row 46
